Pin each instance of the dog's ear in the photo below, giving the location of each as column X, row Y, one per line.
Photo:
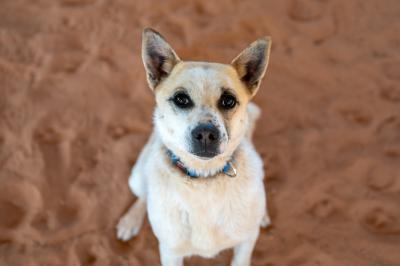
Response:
column 252, row 62
column 158, row 57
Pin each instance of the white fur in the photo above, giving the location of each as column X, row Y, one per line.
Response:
column 200, row 216
column 206, row 215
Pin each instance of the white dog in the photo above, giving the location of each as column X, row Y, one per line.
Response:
column 199, row 177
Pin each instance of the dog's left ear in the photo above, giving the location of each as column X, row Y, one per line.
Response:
column 252, row 62
column 158, row 57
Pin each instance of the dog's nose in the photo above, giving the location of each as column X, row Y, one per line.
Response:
column 206, row 134
column 206, row 140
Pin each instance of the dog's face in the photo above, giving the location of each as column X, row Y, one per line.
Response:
column 201, row 107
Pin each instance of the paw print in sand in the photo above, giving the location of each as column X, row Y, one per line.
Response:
column 19, row 201
column 381, row 219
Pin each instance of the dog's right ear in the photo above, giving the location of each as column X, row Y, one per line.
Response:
column 158, row 57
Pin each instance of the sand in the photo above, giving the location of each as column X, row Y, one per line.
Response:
column 75, row 111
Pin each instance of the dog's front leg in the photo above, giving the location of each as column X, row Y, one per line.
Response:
column 243, row 251
column 168, row 258
column 130, row 224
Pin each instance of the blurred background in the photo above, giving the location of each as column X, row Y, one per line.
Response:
column 75, row 111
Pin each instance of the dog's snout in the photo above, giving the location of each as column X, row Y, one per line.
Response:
column 205, row 139
column 206, row 133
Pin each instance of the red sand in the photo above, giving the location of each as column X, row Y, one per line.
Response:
column 75, row 111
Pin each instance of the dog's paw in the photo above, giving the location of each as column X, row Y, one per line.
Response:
column 129, row 225
column 266, row 221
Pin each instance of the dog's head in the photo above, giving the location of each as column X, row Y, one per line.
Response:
column 201, row 107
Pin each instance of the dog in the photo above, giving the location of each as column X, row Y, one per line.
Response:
column 199, row 177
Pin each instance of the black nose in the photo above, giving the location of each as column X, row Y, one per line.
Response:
column 206, row 134
column 205, row 140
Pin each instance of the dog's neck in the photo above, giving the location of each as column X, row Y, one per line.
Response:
column 228, row 168
column 199, row 168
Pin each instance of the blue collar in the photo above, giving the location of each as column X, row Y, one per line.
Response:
column 228, row 168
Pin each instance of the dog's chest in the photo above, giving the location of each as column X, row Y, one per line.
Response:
column 203, row 219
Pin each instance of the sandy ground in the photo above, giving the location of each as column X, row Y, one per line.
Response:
column 75, row 111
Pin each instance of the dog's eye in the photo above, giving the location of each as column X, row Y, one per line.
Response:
column 182, row 100
column 227, row 101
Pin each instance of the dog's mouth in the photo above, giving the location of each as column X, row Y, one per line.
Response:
column 205, row 154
